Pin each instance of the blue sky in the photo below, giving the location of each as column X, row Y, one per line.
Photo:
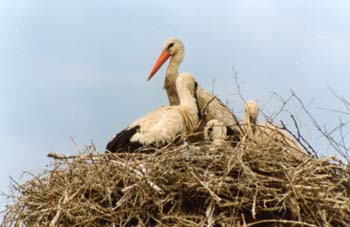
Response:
column 78, row 68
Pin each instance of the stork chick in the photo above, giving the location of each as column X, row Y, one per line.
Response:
column 250, row 120
column 215, row 131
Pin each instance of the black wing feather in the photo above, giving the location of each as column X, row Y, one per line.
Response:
column 121, row 142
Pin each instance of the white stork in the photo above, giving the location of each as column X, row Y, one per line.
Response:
column 212, row 107
column 250, row 120
column 215, row 131
column 163, row 125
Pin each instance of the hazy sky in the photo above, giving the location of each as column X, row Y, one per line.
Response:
column 78, row 68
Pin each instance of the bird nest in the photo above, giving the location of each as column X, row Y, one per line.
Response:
column 250, row 184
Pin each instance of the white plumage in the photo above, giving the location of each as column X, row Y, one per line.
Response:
column 215, row 131
column 163, row 125
column 209, row 105
column 250, row 120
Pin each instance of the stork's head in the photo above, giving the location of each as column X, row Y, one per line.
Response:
column 172, row 47
column 215, row 130
column 186, row 81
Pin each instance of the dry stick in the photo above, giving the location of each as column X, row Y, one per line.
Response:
column 140, row 175
column 214, row 196
column 342, row 136
column 254, row 202
column 284, row 103
column 204, row 111
column 79, row 156
column 75, row 144
column 59, row 209
column 243, row 219
column 342, row 99
column 209, row 213
column 331, row 140
column 333, row 110
column 238, row 85
column 312, row 152
column 305, row 204
column 341, row 144
column 240, row 95
column 280, row 221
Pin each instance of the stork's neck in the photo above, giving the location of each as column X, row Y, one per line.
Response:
column 173, row 70
column 173, row 67
column 187, row 99
column 171, row 75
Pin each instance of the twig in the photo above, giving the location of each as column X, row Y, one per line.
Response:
column 79, row 156
column 280, row 221
column 204, row 112
column 300, row 137
column 331, row 140
column 141, row 174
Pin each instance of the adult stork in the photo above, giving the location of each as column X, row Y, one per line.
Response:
column 209, row 106
column 163, row 125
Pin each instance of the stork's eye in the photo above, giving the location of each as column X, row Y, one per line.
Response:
column 170, row 45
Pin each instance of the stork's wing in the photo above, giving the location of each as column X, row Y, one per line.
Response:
column 160, row 126
column 156, row 128
column 214, row 108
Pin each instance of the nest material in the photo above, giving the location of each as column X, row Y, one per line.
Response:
column 251, row 184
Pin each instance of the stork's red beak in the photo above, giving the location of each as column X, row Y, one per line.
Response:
column 162, row 58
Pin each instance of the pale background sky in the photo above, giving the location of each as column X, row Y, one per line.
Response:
column 78, row 68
